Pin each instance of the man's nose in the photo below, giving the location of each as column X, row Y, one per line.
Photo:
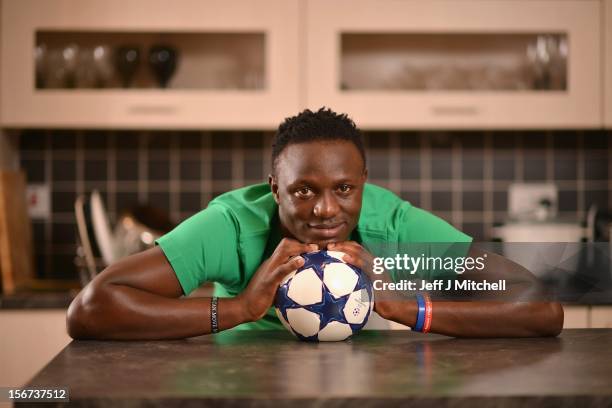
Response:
column 326, row 206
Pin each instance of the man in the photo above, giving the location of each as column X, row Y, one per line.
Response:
column 248, row 240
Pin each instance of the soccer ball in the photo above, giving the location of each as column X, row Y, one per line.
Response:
column 324, row 300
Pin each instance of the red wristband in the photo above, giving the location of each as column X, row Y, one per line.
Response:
column 428, row 314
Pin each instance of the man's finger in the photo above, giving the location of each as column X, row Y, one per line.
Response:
column 289, row 248
column 354, row 253
column 289, row 266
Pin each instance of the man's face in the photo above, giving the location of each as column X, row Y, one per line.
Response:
column 318, row 188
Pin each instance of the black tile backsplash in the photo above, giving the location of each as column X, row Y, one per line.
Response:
column 410, row 165
column 35, row 169
column 500, row 201
column 125, row 200
column 596, row 168
column 190, row 202
column 378, row 168
column 601, row 198
column 253, row 170
column 189, row 169
column 462, row 176
column 95, row 170
column 503, row 168
column 64, row 170
column 441, row 165
column 534, row 167
column 159, row 170
column 473, row 165
column 442, row 201
column 473, row 201
column 565, row 168
column 221, row 169
column 62, row 202
column 127, row 169
column 568, row 200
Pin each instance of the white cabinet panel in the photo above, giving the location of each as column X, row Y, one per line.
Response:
column 575, row 317
column 601, row 317
column 607, row 56
column 26, row 105
column 387, row 38
column 29, row 340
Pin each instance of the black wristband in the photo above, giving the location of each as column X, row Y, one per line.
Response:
column 214, row 319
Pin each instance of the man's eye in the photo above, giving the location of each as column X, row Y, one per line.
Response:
column 304, row 192
column 345, row 188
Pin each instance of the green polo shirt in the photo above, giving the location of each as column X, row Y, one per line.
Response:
column 226, row 242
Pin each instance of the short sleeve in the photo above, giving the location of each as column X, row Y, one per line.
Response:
column 439, row 245
column 418, row 225
column 203, row 248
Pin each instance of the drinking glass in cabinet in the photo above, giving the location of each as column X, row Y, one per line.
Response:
column 177, row 60
column 41, row 61
column 547, row 57
column 56, row 67
column 103, row 63
column 162, row 61
column 453, row 62
column 127, row 60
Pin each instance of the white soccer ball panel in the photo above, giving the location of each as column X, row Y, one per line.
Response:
column 336, row 254
column 335, row 331
column 283, row 321
column 357, row 306
column 305, row 288
column 303, row 321
column 340, row 279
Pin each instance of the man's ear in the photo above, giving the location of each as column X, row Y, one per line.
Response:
column 273, row 186
column 364, row 176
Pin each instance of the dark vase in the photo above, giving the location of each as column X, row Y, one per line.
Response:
column 163, row 60
column 127, row 59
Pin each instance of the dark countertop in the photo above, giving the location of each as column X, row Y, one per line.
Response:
column 61, row 300
column 390, row 368
column 37, row 300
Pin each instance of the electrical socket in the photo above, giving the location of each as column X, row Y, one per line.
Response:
column 525, row 201
column 38, row 197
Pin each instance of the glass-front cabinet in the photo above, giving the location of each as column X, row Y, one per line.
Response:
column 149, row 63
column 456, row 63
column 607, row 54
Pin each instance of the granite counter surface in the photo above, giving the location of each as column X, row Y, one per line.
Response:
column 381, row 368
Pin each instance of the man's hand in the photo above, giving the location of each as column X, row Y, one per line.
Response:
column 361, row 258
column 259, row 295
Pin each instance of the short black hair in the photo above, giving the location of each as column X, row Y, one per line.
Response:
column 322, row 125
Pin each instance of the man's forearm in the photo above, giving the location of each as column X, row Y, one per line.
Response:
column 119, row 312
column 483, row 319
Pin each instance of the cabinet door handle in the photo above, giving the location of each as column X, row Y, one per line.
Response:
column 152, row 109
column 455, row 110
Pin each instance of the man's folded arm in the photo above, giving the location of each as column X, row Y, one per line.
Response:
column 524, row 311
column 139, row 297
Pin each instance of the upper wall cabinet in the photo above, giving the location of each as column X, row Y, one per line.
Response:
column 607, row 54
column 149, row 63
column 456, row 64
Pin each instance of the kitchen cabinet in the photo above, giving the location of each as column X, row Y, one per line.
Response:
column 607, row 56
column 29, row 340
column 585, row 316
column 391, row 64
column 601, row 316
column 456, row 64
column 575, row 317
column 238, row 63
